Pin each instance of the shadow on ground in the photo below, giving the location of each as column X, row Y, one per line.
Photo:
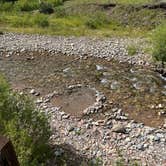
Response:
column 67, row 155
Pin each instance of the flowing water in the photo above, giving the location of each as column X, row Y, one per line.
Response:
column 139, row 91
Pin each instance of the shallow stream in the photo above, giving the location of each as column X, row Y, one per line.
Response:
column 139, row 91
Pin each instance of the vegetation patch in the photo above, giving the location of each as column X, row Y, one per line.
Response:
column 25, row 126
column 97, row 20
column 159, row 42
column 74, row 17
column 132, row 50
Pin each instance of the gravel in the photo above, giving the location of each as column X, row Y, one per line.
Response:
column 115, row 48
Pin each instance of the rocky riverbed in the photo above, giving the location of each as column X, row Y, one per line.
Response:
column 106, row 110
column 112, row 48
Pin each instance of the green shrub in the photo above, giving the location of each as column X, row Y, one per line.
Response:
column 24, row 21
column 41, row 20
column 27, row 5
column 60, row 12
column 46, row 8
column 159, row 44
column 26, row 126
column 132, row 50
column 56, row 2
column 7, row 6
column 91, row 23
column 97, row 20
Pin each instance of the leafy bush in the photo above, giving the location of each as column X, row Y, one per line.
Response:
column 56, row 2
column 159, row 42
column 60, row 12
column 27, row 5
column 46, row 8
column 27, row 128
column 97, row 20
column 24, row 21
column 41, row 20
column 7, row 6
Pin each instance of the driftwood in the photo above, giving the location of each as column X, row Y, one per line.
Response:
column 7, row 153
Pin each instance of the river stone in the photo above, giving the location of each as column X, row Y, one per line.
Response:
column 119, row 128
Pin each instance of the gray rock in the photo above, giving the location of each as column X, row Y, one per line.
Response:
column 119, row 128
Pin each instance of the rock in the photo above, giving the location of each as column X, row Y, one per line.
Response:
column 164, row 125
column 39, row 101
column 70, row 128
column 119, row 128
column 140, row 147
column 89, row 110
column 32, row 91
column 154, row 138
column 123, row 118
column 37, row 94
column 160, row 106
column 59, row 152
column 104, row 81
column 101, row 98
column 67, row 70
column 98, row 67
column 8, row 55
column 114, row 85
column 30, row 58
column 159, row 135
column 88, row 126
column 65, row 116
